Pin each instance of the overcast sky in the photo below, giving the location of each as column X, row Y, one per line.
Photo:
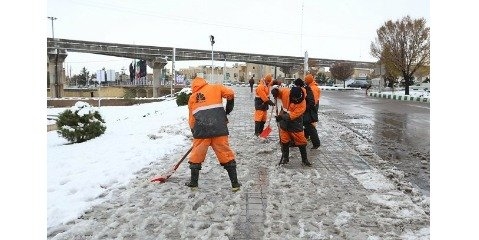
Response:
column 342, row 29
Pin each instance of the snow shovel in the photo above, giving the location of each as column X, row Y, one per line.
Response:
column 265, row 133
column 172, row 170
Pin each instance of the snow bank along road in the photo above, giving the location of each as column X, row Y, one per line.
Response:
column 343, row 196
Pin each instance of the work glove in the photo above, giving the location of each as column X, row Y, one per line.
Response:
column 285, row 116
column 278, row 118
column 229, row 106
column 269, row 102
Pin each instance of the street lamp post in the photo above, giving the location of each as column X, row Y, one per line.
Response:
column 53, row 33
column 212, row 40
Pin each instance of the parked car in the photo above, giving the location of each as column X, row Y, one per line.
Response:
column 360, row 84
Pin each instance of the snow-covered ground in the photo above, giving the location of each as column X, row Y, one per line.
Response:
column 101, row 189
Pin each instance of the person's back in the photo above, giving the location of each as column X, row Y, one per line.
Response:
column 206, row 106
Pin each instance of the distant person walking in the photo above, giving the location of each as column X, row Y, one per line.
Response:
column 310, row 117
column 208, row 124
column 251, row 83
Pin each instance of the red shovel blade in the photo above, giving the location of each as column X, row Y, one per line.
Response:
column 265, row 132
column 163, row 178
column 159, row 179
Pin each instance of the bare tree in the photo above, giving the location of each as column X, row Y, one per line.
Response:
column 286, row 70
column 313, row 67
column 342, row 71
column 403, row 46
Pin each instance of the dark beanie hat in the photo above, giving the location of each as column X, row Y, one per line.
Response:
column 296, row 95
column 299, row 82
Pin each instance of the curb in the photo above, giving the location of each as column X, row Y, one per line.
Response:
column 337, row 89
column 398, row 97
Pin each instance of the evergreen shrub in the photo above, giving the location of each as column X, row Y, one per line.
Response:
column 182, row 98
column 80, row 123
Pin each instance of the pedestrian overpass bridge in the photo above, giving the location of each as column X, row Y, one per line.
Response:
column 157, row 57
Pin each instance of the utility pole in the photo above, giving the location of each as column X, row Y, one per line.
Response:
column 301, row 41
column 212, row 40
column 57, row 90
column 173, row 74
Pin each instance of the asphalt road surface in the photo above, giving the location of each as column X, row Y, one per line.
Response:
column 399, row 131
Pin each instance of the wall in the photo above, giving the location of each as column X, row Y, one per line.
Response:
column 115, row 91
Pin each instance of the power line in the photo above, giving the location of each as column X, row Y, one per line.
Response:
column 104, row 6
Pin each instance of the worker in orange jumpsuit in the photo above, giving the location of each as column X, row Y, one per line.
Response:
column 261, row 104
column 310, row 117
column 290, row 121
column 208, row 123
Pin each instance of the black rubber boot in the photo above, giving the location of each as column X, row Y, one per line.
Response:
column 314, row 137
column 285, row 153
column 304, row 156
column 261, row 127
column 257, row 130
column 195, row 173
column 231, row 169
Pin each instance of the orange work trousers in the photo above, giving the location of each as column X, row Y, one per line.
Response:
column 219, row 144
column 298, row 137
column 260, row 116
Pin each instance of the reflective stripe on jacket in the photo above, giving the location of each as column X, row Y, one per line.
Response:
column 207, row 116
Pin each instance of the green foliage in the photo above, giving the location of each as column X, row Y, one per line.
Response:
column 80, row 124
column 182, row 98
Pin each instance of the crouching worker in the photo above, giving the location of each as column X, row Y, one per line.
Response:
column 208, row 123
column 291, row 121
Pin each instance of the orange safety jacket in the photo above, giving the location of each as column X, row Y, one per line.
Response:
column 207, row 116
column 316, row 92
column 309, row 80
column 262, row 96
column 295, row 111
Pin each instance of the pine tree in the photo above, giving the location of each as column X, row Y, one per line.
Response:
column 80, row 123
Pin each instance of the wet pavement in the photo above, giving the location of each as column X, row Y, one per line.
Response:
column 359, row 135
column 398, row 131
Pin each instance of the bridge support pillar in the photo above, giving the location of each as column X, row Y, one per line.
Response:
column 157, row 65
column 56, row 72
